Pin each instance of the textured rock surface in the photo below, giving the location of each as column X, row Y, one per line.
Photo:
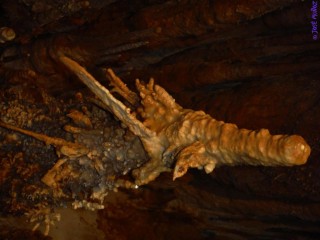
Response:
column 192, row 138
column 253, row 65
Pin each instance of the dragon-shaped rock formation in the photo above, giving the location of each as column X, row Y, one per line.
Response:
column 191, row 139
column 170, row 136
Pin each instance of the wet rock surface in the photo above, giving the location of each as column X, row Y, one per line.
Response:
column 253, row 65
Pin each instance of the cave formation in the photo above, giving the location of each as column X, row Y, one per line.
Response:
column 255, row 64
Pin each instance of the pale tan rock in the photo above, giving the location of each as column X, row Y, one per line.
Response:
column 191, row 138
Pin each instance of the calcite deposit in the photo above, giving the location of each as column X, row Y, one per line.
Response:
column 94, row 153
column 252, row 63
column 192, row 139
column 84, row 159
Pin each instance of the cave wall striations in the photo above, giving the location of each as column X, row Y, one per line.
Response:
column 253, row 63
